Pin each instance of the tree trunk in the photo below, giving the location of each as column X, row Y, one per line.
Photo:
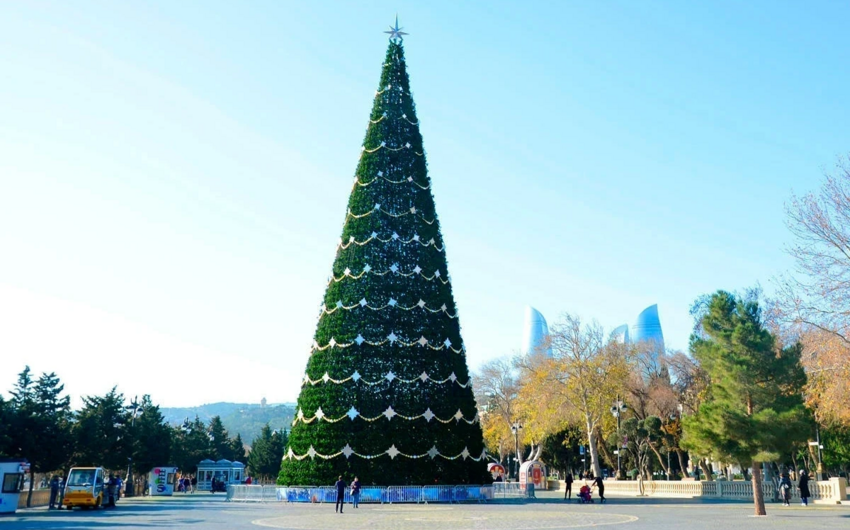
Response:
column 706, row 470
column 32, row 483
column 660, row 460
column 607, row 454
column 594, row 454
column 682, row 465
column 758, row 494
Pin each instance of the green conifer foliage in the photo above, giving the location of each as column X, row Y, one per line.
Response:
column 386, row 395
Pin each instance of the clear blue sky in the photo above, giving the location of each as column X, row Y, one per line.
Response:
column 174, row 175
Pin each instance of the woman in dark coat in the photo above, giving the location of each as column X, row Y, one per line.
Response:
column 804, row 487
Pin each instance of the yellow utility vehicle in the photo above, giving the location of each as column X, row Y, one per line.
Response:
column 84, row 487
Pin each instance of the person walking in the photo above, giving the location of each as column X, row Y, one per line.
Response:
column 803, row 484
column 340, row 495
column 61, row 492
column 600, row 485
column 110, row 491
column 785, row 489
column 54, row 491
column 194, row 483
column 355, row 493
column 568, row 486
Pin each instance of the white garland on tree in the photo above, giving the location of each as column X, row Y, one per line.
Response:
column 392, row 452
column 394, row 238
column 391, row 339
column 367, row 269
column 389, row 376
column 389, row 414
column 391, row 303
column 377, row 208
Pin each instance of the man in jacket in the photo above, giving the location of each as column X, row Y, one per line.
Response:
column 340, row 494
column 568, row 486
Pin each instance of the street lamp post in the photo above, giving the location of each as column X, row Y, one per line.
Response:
column 617, row 411
column 129, row 489
column 820, row 455
column 515, row 428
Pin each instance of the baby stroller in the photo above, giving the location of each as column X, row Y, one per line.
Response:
column 584, row 495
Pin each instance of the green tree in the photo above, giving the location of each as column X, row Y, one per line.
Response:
column 754, row 410
column 220, row 443
column 237, row 449
column 40, row 424
column 152, row 438
column 7, row 418
column 102, row 432
column 266, row 454
column 190, row 445
column 388, row 397
column 561, row 449
column 836, row 448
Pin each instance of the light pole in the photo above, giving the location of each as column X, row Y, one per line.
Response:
column 617, row 411
column 820, row 455
column 129, row 489
column 515, row 428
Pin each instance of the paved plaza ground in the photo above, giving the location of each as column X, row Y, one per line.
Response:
column 202, row 511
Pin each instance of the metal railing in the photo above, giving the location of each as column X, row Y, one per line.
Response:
column 379, row 494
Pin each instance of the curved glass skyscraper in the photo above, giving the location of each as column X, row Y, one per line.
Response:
column 621, row 334
column 648, row 328
column 535, row 331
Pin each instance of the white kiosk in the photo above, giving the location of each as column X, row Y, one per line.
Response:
column 161, row 480
column 224, row 471
column 12, row 471
column 533, row 472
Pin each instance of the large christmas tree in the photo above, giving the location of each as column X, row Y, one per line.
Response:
column 386, row 395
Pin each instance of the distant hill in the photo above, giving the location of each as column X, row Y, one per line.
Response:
column 243, row 418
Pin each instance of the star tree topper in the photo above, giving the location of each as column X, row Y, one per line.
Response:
column 395, row 33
